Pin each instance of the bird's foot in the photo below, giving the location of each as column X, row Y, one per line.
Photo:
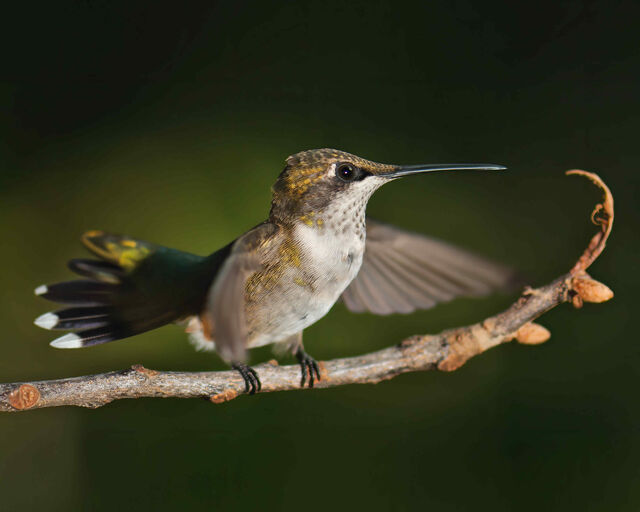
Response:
column 309, row 366
column 251, row 380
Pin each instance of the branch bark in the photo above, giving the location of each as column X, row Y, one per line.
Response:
column 446, row 351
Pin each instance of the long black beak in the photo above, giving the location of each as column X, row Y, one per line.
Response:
column 406, row 170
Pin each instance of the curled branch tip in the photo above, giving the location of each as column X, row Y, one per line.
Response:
column 602, row 216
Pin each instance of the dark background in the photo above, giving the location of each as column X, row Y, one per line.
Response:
column 170, row 122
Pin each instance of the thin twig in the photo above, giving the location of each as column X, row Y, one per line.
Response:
column 446, row 351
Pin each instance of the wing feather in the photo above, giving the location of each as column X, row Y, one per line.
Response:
column 225, row 312
column 387, row 286
column 403, row 271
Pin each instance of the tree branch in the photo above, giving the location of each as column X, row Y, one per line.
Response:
column 446, row 351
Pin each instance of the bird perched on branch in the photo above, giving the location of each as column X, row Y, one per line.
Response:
column 279, row 277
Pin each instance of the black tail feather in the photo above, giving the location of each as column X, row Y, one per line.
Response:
column 80, row 317
column 86, row 338
column 83, row 292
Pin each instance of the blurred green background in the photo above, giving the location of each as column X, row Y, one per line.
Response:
column 170, row 122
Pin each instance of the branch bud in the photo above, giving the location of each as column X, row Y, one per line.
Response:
column 532, row 334
column 590, row 290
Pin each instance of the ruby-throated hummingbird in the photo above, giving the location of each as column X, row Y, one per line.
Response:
column 279, row 277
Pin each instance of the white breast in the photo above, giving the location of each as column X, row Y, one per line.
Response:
column 332, row 255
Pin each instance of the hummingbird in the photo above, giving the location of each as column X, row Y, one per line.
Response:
column 316, row 248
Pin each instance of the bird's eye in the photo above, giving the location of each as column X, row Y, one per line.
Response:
column 346, row 172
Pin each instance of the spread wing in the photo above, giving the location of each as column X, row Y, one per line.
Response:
column 403, row 271
column 225, row 312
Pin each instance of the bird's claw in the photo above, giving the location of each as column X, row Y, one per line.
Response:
column 251, row 380
column 308, row 366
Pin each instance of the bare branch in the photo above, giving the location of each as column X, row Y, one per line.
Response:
column 446, row 351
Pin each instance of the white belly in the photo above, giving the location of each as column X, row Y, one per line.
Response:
column 329, row 262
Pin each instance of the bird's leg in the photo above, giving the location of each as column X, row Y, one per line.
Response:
column 251, row 380
column 308, row 365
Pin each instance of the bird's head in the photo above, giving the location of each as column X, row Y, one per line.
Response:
column 316, row 180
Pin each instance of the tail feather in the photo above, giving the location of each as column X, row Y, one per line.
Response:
column 76, row 318
column 98, row 270
column 135, row 287
column 78, row 292
column 87, row 338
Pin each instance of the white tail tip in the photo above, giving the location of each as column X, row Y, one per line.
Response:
column 47, row 321
column 41, row 290
column 67, row 341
